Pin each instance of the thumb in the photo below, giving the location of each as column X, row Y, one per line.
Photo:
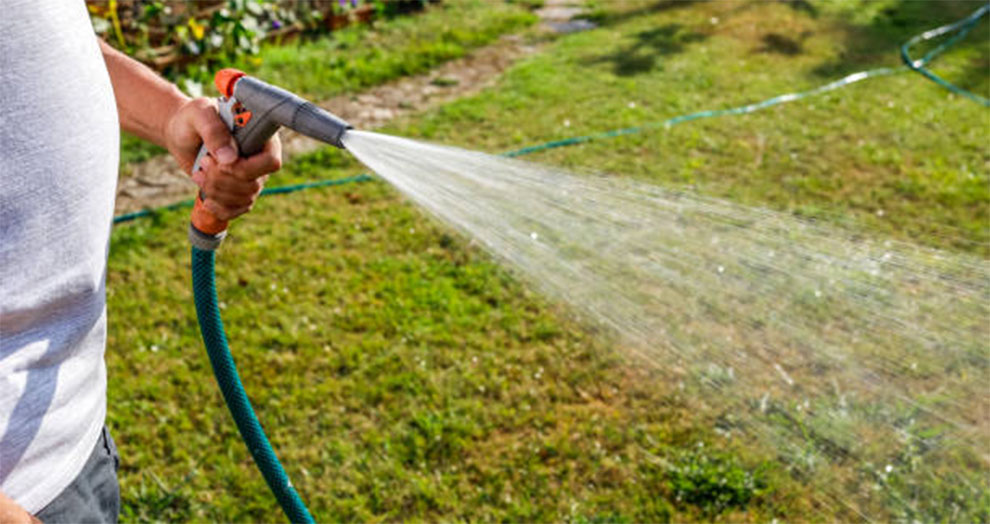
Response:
column 215, row 135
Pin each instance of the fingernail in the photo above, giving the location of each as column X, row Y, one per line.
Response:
column 226, row 155
column 199, row 178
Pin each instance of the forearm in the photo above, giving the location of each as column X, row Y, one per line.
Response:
column 155, row 110
column 145, row 101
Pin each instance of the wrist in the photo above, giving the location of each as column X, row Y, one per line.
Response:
column 173, row 104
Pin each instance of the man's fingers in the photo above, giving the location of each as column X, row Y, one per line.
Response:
column 230, row 190
column 226, row 213
column 212, row 130
column 267, row 161
column 216, row 182
column 230, row 184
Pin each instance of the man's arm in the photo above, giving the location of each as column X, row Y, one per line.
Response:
column 155, row 110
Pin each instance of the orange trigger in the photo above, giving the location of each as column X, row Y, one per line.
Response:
column 242, row 119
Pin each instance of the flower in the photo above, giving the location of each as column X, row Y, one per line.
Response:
column 198, row 30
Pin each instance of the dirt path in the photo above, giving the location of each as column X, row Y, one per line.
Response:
column 159, row 181
column 563, row 16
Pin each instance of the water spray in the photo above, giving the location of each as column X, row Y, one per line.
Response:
column 800, row 332
column 253, row 111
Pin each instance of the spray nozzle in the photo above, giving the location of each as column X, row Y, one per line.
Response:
column 253, row 111
column 267, row 105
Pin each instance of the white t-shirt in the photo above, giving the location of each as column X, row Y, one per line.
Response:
column 59, row 140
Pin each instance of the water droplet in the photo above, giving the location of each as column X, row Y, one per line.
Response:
column 783, row 374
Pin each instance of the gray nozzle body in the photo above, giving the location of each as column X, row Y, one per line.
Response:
column 272, row 107
column 253, row 114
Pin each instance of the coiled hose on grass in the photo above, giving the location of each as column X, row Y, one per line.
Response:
column 204, row 279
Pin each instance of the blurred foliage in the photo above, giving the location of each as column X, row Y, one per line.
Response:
column 169, row 35
column 359, row 57
column 143, row 28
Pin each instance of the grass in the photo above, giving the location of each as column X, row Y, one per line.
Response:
column 426, row 383
column 402, row 375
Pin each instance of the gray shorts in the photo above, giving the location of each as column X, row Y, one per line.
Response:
column 94, row 496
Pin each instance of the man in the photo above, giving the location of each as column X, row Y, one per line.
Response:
column 64, row 95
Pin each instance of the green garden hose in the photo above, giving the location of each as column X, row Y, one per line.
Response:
column 215, row 339
column 962, row 28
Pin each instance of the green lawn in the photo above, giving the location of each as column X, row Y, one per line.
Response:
column 402, row 375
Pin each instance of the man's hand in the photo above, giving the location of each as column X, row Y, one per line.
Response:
column 156, row 110
column 231, row 184
column 11, row 513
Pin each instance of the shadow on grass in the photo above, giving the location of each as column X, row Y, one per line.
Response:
column 643, row 54
column 603, row 18
column 876, row 41
column 782, row 45
column 976, row 76
column 803, row 6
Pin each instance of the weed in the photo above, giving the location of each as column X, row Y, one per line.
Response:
column 714, row 481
